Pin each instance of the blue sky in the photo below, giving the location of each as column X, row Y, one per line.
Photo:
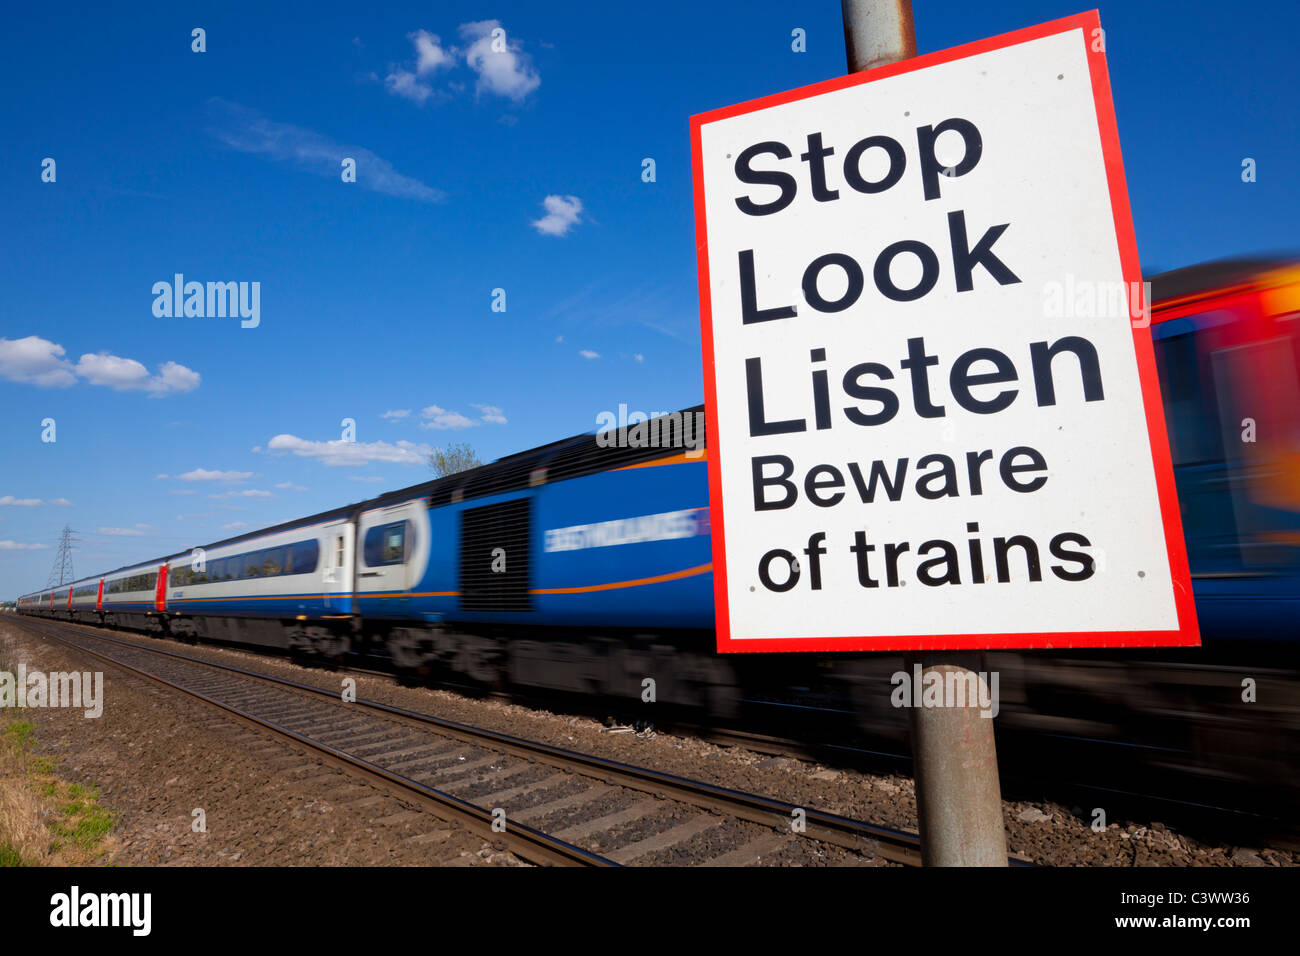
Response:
column 376, row 296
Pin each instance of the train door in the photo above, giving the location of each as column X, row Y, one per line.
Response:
column 336, row 576
column 160, row 590
column 99, row 596
column 388, row 541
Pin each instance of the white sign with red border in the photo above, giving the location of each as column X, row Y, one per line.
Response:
column 934, row 417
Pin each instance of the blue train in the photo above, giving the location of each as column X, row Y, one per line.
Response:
column 560, row 567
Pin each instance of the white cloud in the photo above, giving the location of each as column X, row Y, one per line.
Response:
column 128, row 375
column 396, row 413
column 491, row 414
column 235, row 526
column 246, row 493
column 21, row 546
column 431, row 57
column 174, row 377
column 204, row 474
column 437, row 417
column 290, row 486
column 121, row 532
column 61, row 502
column 407, row 85
column 639, row 357
column 367, row 478
column 351, row 453
column 588, row 354
column 248, row 131
column 504, row 71
column 562, row 213
column 10, row 501
column 37, row 361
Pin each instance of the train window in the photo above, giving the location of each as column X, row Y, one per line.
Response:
column 338, row 551
column 386, row 544
column 306, row 555
column 252, row 565
column 272, row 562
column 1191, row 407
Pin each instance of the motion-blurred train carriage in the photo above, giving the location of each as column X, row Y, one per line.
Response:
column 1227, row 344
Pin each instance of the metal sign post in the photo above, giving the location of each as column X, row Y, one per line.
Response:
column 954, row 756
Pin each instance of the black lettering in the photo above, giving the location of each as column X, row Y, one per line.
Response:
column 1089, row 368
column 1087, row 565
column 947, row 471
column 892, row 551
column 929, row 270
column 863, row 551
column 816, row 160
column 918, row 362
column 769, row 177
column 811, row 485
column 976, row 555
column 1009, row 469
column 867, row 490
column 965, row 259
column 851, row 294
column 931, row 168
column 758, row 423
column 760, row 482
column 765, row 570
column 1002, row 546
column 974, row 461
column 853, row 164
column 749, row 310
column 952, row 573
column 960, row 381
column 887, row 399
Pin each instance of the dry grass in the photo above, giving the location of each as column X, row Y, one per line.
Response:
column 24, row 838
column 44, row 821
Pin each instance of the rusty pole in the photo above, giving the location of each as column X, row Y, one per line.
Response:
column 877, row 32
column 955, row 761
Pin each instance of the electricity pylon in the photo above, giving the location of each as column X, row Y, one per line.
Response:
column 62, row 572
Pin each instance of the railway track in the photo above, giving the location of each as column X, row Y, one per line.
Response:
column 545, row 804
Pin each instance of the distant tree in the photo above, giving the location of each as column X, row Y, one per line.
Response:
column 454, row 458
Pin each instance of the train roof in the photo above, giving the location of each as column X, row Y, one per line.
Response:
column 567, row 458
column 1215, row 274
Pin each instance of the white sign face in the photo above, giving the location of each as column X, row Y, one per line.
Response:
column 934, row 415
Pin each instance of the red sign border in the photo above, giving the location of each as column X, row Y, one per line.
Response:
column 1187, row 633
